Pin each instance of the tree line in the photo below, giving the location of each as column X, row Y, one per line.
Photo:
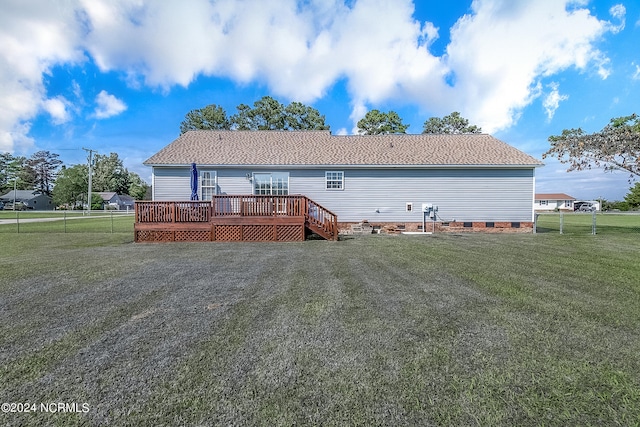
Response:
column 269, row 114
column 68, row 185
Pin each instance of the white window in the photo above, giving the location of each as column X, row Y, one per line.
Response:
column 207, row 184
column 409, row 207
column 271, row 183
column 334, row 180
column 544, row 202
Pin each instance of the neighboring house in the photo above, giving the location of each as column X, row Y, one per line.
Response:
column 474, row 180
column 117, row 201
column 32, row 199
column 553, row 202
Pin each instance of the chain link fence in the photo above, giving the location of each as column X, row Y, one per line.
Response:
column 66, row 222
column 583, row 223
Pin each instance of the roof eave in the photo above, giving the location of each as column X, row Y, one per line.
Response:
column 350, row 166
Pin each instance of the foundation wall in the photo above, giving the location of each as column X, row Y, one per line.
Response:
column 437, row 227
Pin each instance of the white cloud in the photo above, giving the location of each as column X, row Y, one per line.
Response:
column 636, row 75
column 552, row 101
column 501, row 51
column 358, row 111
column 619, row 12
column 496, row 57
column 57, row 109
column 108, row 105
column 492, row 68
column 33, row 38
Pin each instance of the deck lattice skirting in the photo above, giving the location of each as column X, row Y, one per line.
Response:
column 234, row 218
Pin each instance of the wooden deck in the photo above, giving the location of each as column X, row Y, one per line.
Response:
column 234, row 218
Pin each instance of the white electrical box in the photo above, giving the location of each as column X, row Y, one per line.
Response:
column 427, row 207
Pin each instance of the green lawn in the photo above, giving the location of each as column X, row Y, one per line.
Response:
column 473, row 329
column 65, row 222
column 582, row 223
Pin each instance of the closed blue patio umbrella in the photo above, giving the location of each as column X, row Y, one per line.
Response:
column 194, row 182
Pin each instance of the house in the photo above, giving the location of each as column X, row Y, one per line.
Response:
column 31, row 199
column 472, row 181
column 117, row 201
column 553, row 202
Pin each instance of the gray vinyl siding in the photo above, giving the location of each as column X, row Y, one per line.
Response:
column 461, row 195
column 381, row 194
column 234, row 181
column 171, row 183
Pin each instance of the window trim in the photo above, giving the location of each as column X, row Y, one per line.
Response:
column 201, row 187
column 338, row 180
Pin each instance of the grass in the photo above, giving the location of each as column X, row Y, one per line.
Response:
column 395, row 330
column 581, row 223
column 10, row 214
column 66, row 222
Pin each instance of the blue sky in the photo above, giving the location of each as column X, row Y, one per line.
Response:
column 120, row 75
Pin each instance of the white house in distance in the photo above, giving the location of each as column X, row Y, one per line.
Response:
column 553, row 202
column 472, row 181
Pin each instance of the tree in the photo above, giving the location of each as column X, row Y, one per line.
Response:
column 454, row 123
column 616, row 146
column 71, row 186
column 302, row 117
column 138, row 189
column 24, row 174
column 632, row 199
column 109, row 174
column 6, row 172
column 210, row 117
column 97, row 202
column 266, row 114
column 45, row 165
column 376, row 122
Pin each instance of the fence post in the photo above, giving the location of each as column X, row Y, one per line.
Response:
column 18, row 220
column 561, row 221
column 111, row 222
column 593, row 223
column 65, row 222
column 535, row 223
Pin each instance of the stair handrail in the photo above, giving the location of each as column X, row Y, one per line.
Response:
column 319, row 218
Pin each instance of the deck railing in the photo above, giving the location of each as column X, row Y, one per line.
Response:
column 172, row 211
column 241, row 205
column 318, row 217
column 322, row 218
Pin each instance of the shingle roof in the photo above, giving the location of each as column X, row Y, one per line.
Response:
column 309, row 148
column 553, row 196
column 20, row 195
column 106, row 195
